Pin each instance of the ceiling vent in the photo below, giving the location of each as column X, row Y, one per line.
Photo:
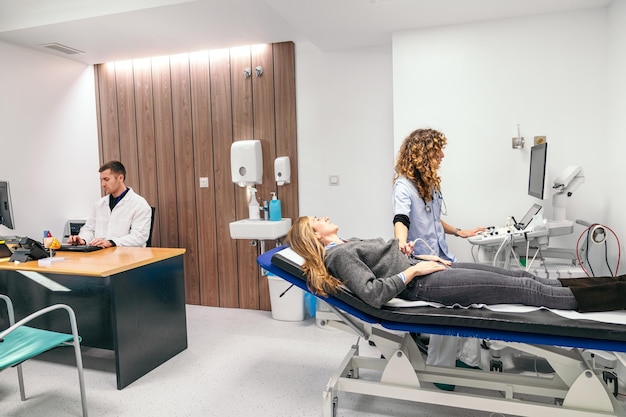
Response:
column 62, row 48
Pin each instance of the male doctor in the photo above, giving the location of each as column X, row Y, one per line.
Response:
column 121, row 218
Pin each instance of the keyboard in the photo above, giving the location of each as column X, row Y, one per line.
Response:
column 78, row 248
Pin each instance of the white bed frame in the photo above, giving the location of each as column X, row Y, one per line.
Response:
column 576, row 389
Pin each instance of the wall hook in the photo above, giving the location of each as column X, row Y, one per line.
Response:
column 259, row 71
column 247, row 72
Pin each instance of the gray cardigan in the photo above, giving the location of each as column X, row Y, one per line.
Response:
column 369, row 268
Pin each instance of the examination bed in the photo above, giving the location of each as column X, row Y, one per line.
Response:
column 579, row 386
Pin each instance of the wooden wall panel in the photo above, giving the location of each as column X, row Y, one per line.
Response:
column 109, row 129
column 243, row 128
column 286, row 134
column 172, row 120
column 265, row 130
column 203, row 167
column 164, row 140
column 222, row 121
column 184, row 172
column 127, row 123
column 146, row 147
column 241, row 93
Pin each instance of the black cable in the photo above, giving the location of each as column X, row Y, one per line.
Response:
column 587, row 255
column 606, row 257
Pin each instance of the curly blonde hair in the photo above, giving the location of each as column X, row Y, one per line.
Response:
column 418, row 160
column 305, row 243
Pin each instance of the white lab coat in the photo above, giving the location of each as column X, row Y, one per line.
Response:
column 128, row 224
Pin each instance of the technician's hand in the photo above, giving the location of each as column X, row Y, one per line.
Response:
column 423, row 268
column 469, row 233
column 75, row 240
column 406, row 247
column 103, row 243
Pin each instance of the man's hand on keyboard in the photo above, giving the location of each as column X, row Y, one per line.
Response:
column 103, row 243
column 75, row 240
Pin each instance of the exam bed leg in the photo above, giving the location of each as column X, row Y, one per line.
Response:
column 587, row 389
column 346, row 369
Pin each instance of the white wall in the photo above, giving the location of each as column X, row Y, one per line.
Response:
column 615, row 151
column 477, row 82
column 345, row 115
column 48, row 139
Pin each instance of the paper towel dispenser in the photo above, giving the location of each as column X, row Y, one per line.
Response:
column 246, row 162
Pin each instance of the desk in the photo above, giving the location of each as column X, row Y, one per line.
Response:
column 129, row 300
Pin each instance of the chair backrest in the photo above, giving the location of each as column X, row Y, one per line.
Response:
column 149, row 241
column 21, row 342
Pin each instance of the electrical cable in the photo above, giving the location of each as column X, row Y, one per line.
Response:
column 513, row 252
column 495, row 258
column 593, row 274
column 619, row 248
column 532, row 260
column 606, row 258
column 424, row 242
column 472, row 252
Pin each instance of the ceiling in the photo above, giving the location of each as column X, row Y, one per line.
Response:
column 112, row 30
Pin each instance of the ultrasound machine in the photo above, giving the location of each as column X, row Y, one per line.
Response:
column 529, row 238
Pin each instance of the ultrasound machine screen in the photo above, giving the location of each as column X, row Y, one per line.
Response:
column 537, row 174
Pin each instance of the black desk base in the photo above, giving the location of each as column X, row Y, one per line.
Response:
column 139, row 313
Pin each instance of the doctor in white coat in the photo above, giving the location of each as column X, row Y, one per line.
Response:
column 120, row 218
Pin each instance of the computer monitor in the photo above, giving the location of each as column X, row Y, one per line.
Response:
column 72, row 228
column 537, row 174
column 6, row 211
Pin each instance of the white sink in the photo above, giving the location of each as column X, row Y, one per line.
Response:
column 259, row 229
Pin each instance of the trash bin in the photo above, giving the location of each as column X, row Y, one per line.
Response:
column 289, row 307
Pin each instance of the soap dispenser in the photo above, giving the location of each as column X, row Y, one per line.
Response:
column 275, row 209
column 253, row 206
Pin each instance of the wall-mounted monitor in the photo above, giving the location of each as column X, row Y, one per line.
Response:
column 537, row 174
column 6, row 211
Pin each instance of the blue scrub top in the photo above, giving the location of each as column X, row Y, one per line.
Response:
column 425, row 219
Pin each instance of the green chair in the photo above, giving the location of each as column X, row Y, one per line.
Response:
column 19, row 343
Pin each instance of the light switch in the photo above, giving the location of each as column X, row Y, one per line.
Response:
column 204, row 182
column 333, row 180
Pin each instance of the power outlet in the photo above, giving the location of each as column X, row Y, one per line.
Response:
column 204, row 182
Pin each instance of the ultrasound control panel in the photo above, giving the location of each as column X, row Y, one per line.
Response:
column 514, row 232
column 496, row 235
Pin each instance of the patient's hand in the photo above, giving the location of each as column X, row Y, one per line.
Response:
column 423, row 268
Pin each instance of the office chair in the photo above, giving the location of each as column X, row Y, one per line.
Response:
column 19, row 343
column 149, row 241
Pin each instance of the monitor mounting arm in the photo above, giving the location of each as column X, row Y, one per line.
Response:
column 564, row 186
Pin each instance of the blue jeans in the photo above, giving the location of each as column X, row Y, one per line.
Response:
column 470, row 283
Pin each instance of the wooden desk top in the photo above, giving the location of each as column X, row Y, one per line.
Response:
column 100, row 263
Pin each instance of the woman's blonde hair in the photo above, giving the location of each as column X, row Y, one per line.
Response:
column 418, row 160
column 305, row 243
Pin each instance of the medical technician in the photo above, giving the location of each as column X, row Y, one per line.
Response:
column 121, row 218
column 417, row 208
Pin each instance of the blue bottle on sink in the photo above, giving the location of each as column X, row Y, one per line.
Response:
column 275, row 209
